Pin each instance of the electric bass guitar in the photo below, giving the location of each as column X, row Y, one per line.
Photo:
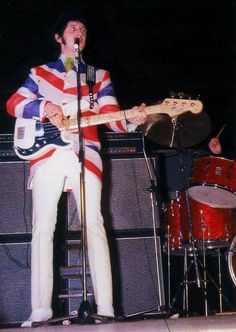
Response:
column 33, row 138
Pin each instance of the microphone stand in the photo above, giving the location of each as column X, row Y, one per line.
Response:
column 85, row 309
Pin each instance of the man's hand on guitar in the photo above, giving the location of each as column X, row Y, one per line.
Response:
column 140, row 115
column 54, row 114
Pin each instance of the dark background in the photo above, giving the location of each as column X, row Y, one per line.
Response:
column 151, row 47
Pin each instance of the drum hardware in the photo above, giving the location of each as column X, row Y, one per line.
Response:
column 171, row 133
column 168, row 266
column 212, row 228
column 203, row 228
column 231, row 260
column 179, row 132
column 196, row 242
column 207, row 278
column 187, row 213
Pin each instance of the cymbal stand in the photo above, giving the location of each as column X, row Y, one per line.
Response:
column 186, row 290
column 189, row 218
column 158, row 261
column 203, row 228
column 168, row 266
column 154, row 201
column 175, row 133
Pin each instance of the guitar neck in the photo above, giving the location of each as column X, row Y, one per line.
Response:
column 171, row 107
column 93, row 120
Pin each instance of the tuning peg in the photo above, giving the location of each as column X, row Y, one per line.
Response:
column 187, row 96
column 181, row 95
column 172, row 94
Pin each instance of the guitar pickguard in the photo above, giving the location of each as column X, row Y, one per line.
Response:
column 46, row 136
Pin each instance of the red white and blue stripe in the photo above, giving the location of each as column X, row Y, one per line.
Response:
column 50, row 83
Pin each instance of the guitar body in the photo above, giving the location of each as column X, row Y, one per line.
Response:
column 33, row 138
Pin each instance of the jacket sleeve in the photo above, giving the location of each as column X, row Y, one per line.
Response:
column 25, row 102
column 108, row 103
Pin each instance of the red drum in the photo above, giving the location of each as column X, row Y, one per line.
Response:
column 176, row 227
column 213, row 182
column 212, row 225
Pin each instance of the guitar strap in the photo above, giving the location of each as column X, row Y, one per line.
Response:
column 90, row 80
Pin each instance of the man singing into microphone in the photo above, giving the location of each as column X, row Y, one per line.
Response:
column 47, row 89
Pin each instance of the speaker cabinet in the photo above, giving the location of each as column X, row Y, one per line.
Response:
column 15, row 203
column 126, row 202
column 14, row 282
column 137, row 276
column 15, row 229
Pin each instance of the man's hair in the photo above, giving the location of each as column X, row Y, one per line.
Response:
column 66, row 17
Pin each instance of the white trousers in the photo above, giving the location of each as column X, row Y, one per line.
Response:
column 47, row 186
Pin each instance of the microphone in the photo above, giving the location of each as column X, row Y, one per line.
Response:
column 76, row 48
column 76, row 44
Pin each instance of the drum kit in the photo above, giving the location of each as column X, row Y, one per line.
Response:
column 200, row 218
column 212, row 200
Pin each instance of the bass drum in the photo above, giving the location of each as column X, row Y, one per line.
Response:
column 232, row 260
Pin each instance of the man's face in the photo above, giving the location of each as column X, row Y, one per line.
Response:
column 74, row 29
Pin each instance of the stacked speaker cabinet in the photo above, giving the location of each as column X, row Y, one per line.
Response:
column 15, row 229
column 14, row 282
column 15, row 203
column 127, row 212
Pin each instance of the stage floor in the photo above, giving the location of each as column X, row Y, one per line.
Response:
column 224, row 323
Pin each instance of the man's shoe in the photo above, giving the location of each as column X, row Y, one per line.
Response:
column 38, row 315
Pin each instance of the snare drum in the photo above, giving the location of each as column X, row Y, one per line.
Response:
column 213, row 182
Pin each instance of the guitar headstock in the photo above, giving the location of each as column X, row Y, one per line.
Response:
column 175, row 107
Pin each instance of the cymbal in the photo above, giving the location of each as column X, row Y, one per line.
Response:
column 191, row 128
